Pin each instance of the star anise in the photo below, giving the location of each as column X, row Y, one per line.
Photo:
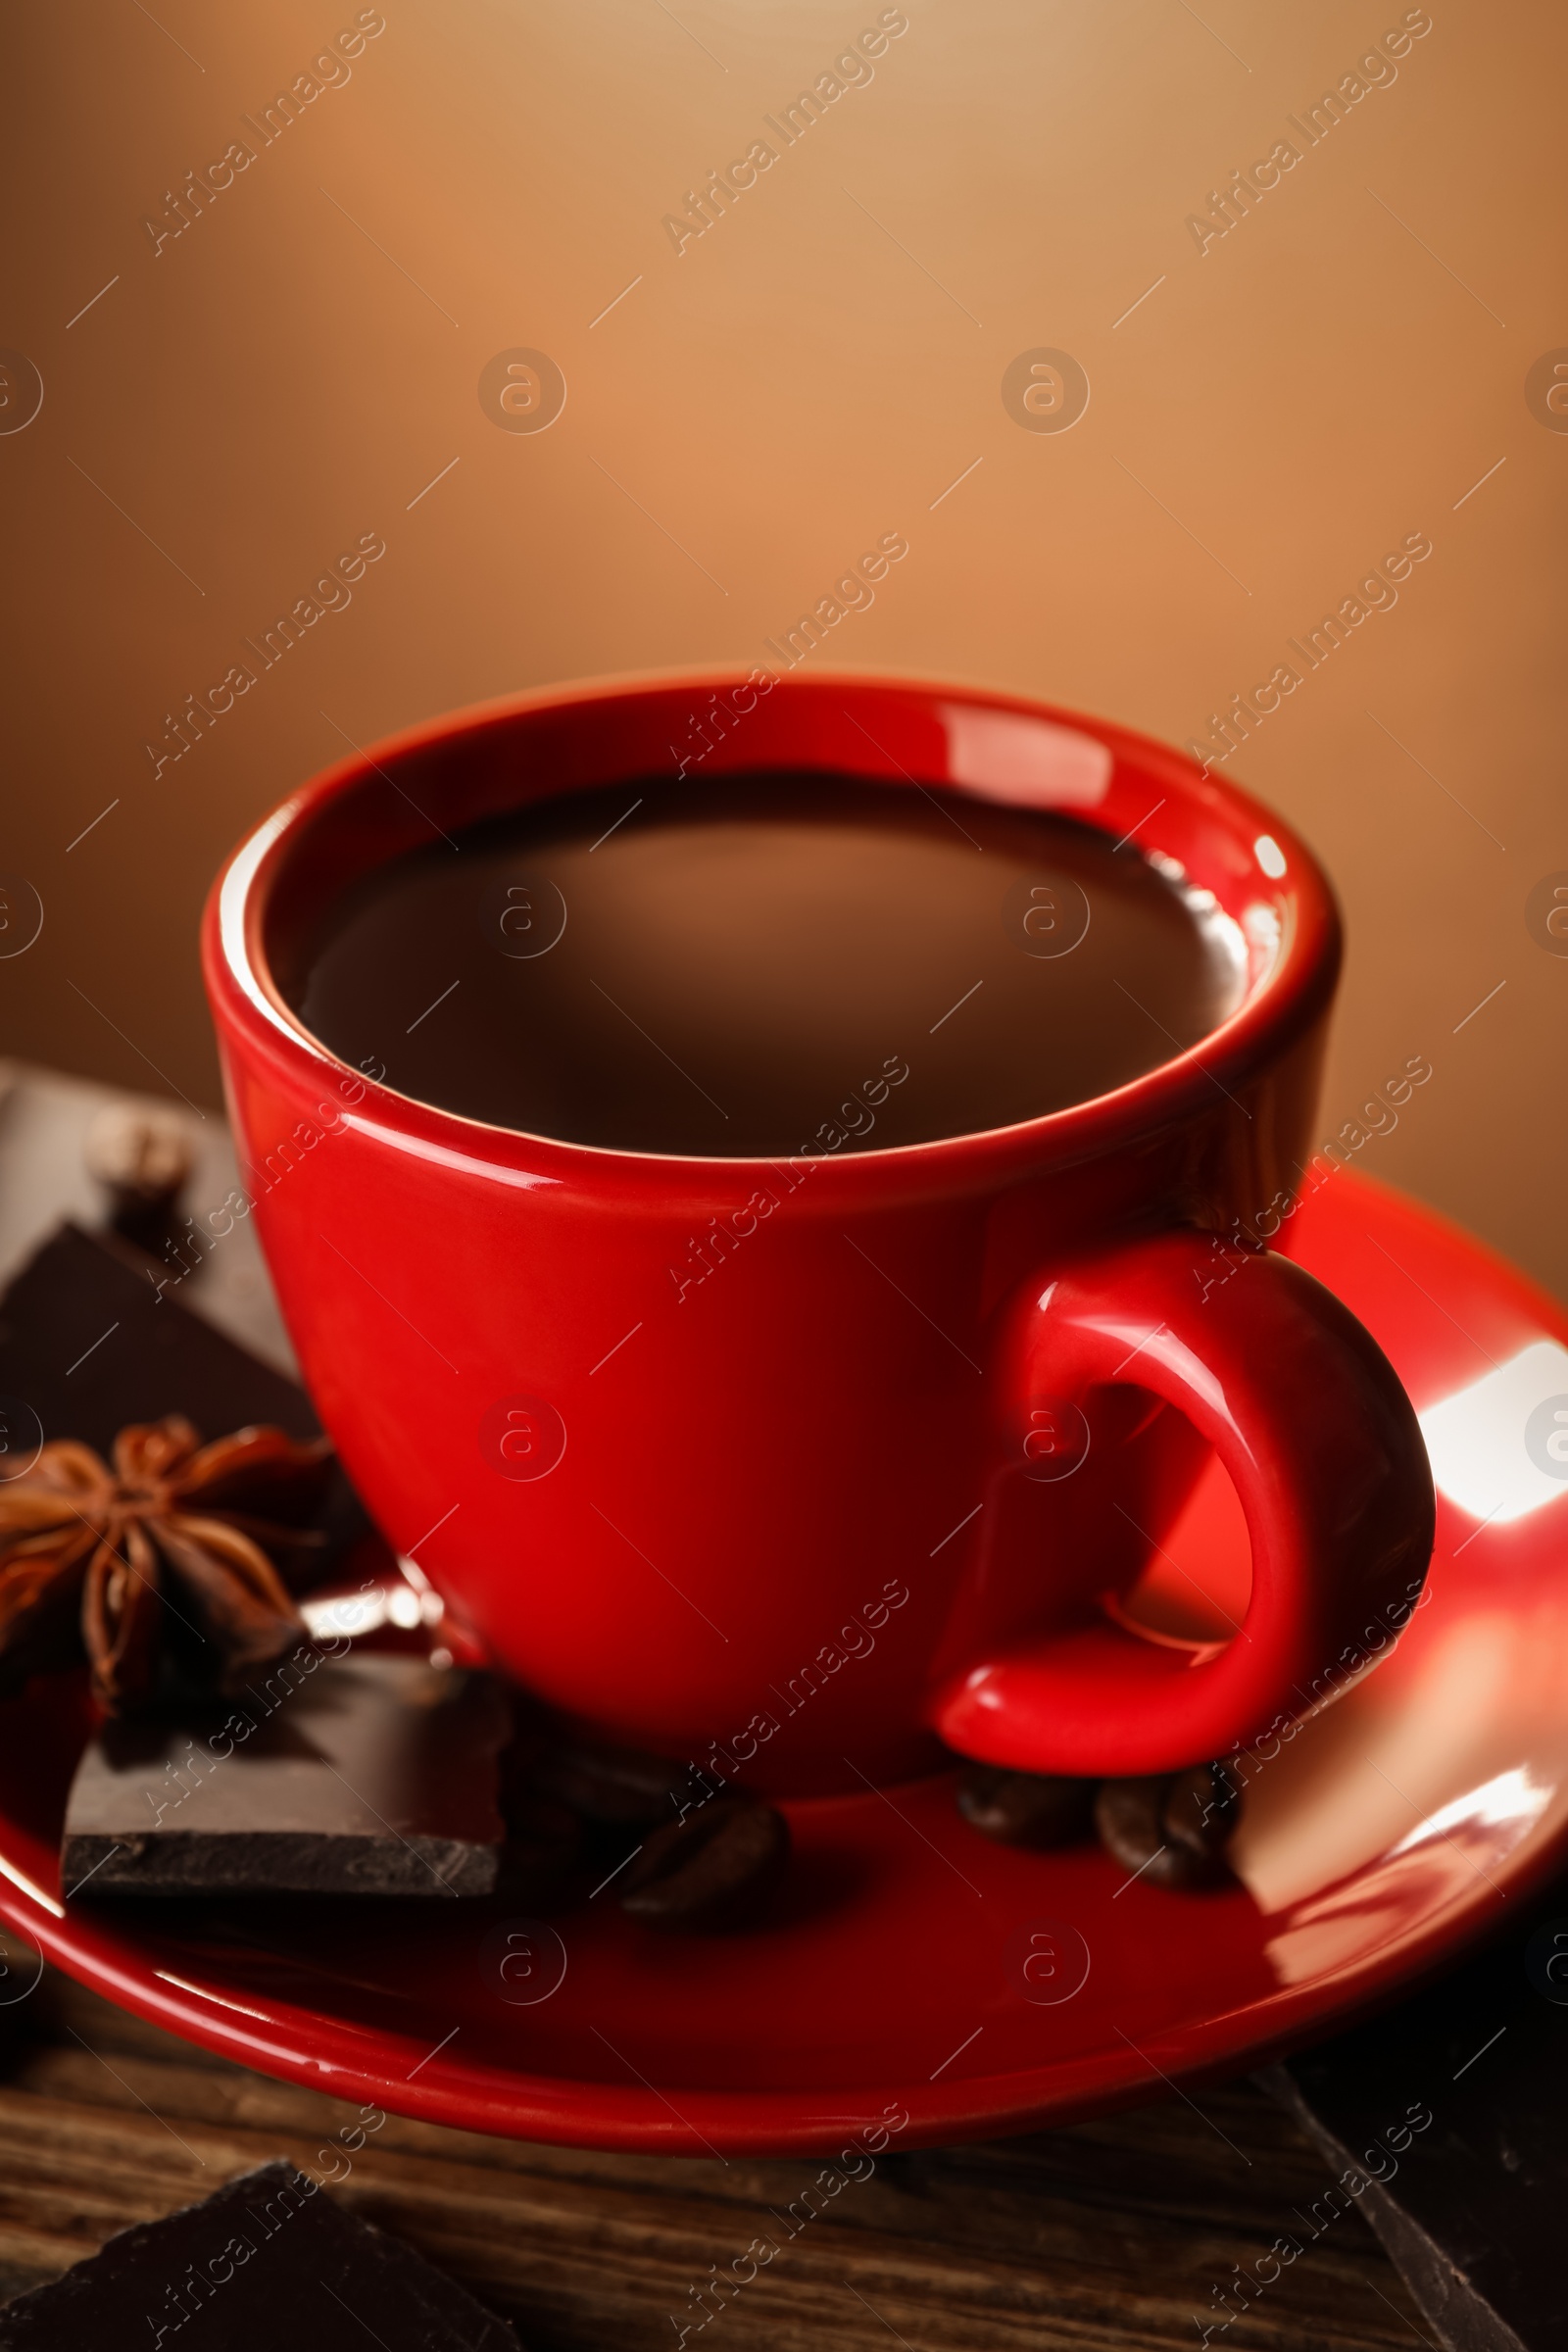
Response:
column 92, row 1556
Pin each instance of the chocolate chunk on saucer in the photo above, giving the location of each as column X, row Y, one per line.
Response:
column 356, row 1775
column 613, row 1787
column 268, row 2260
column 713, row 1870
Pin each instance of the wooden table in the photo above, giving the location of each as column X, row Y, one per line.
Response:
column 1106, row 2234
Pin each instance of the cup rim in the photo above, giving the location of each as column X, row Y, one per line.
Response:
column 1277, row 1007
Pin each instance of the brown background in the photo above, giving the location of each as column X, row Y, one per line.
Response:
column 815, row 371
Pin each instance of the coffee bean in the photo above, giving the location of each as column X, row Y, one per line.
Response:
column 139, row 1153
column 611, row 1784
column 1025, row 1808
column 1127, row 1814
column 712, row 1870
column 143, row 1156
column 1170, row 1828
column 1201, row 1809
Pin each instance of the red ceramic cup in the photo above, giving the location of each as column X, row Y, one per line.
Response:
column 800, row 1520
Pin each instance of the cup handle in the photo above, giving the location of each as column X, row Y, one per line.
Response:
column 1308, row 1417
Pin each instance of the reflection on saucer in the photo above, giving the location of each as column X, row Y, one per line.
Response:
column 1498, row 1448
column 1423, row 1759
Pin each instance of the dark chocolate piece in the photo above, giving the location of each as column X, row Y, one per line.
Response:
column 712, row 1870
column 87, row 1344
column 359, row 1775
column 268, row 2261
column 1443, row 2122
column 1025, row 1808
column 605, row 1784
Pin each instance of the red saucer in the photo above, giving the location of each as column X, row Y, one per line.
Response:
column 923, row 1972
